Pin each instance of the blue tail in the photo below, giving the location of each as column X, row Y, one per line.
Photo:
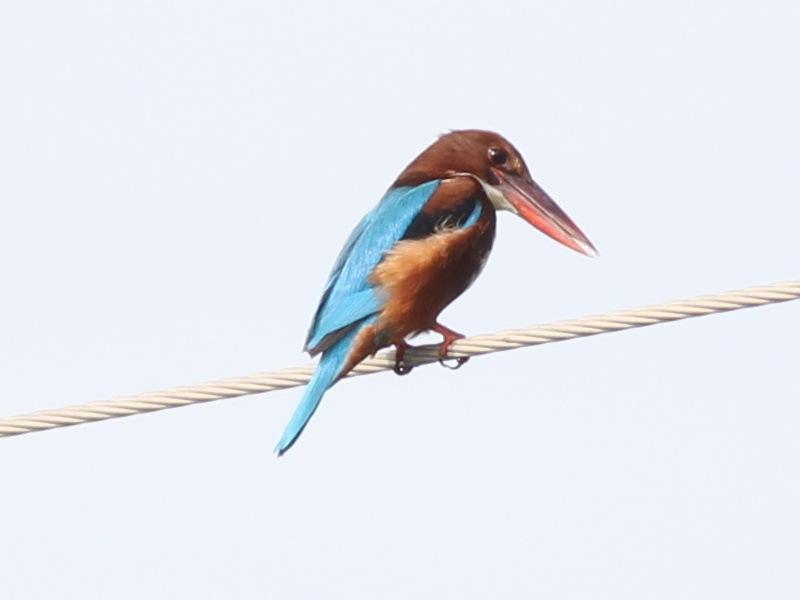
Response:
column 324, row 377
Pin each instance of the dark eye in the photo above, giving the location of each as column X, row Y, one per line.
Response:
column 497, row 156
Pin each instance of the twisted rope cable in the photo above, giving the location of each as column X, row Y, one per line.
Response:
column 472, row 346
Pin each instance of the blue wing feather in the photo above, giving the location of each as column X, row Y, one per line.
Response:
column 348, row 297
column 358, row 306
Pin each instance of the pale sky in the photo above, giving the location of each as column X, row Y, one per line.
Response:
column 177, row 179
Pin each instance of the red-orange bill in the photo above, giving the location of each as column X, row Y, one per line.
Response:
column 534, row 205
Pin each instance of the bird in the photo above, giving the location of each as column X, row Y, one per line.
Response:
column 416, row 251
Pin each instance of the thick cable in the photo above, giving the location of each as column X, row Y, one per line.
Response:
column 467, row 347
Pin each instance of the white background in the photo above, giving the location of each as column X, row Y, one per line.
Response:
column 175, row 181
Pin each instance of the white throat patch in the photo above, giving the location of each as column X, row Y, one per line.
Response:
column 495, row 196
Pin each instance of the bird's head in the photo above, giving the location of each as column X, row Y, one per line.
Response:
column 491, row 160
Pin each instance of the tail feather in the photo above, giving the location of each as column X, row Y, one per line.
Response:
column 326, row 374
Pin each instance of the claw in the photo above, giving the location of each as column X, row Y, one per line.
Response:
column 459, row 362
column 399, row 352
column 401, row 370
column 450, row 336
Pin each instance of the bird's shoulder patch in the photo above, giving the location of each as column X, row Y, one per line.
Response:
column 457, row 203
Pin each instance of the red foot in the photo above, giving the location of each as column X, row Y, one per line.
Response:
column 450, row 336
column 399, row 352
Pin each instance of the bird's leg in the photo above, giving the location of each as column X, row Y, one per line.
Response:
column 399, row 351
column 450, row 336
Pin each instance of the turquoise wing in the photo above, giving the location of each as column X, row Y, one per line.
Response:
column 348, row 298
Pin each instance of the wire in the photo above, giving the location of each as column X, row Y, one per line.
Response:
column 472, row 346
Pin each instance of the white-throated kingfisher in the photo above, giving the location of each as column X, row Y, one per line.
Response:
column 417, row 251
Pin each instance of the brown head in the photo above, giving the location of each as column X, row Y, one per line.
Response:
column 491, row 160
